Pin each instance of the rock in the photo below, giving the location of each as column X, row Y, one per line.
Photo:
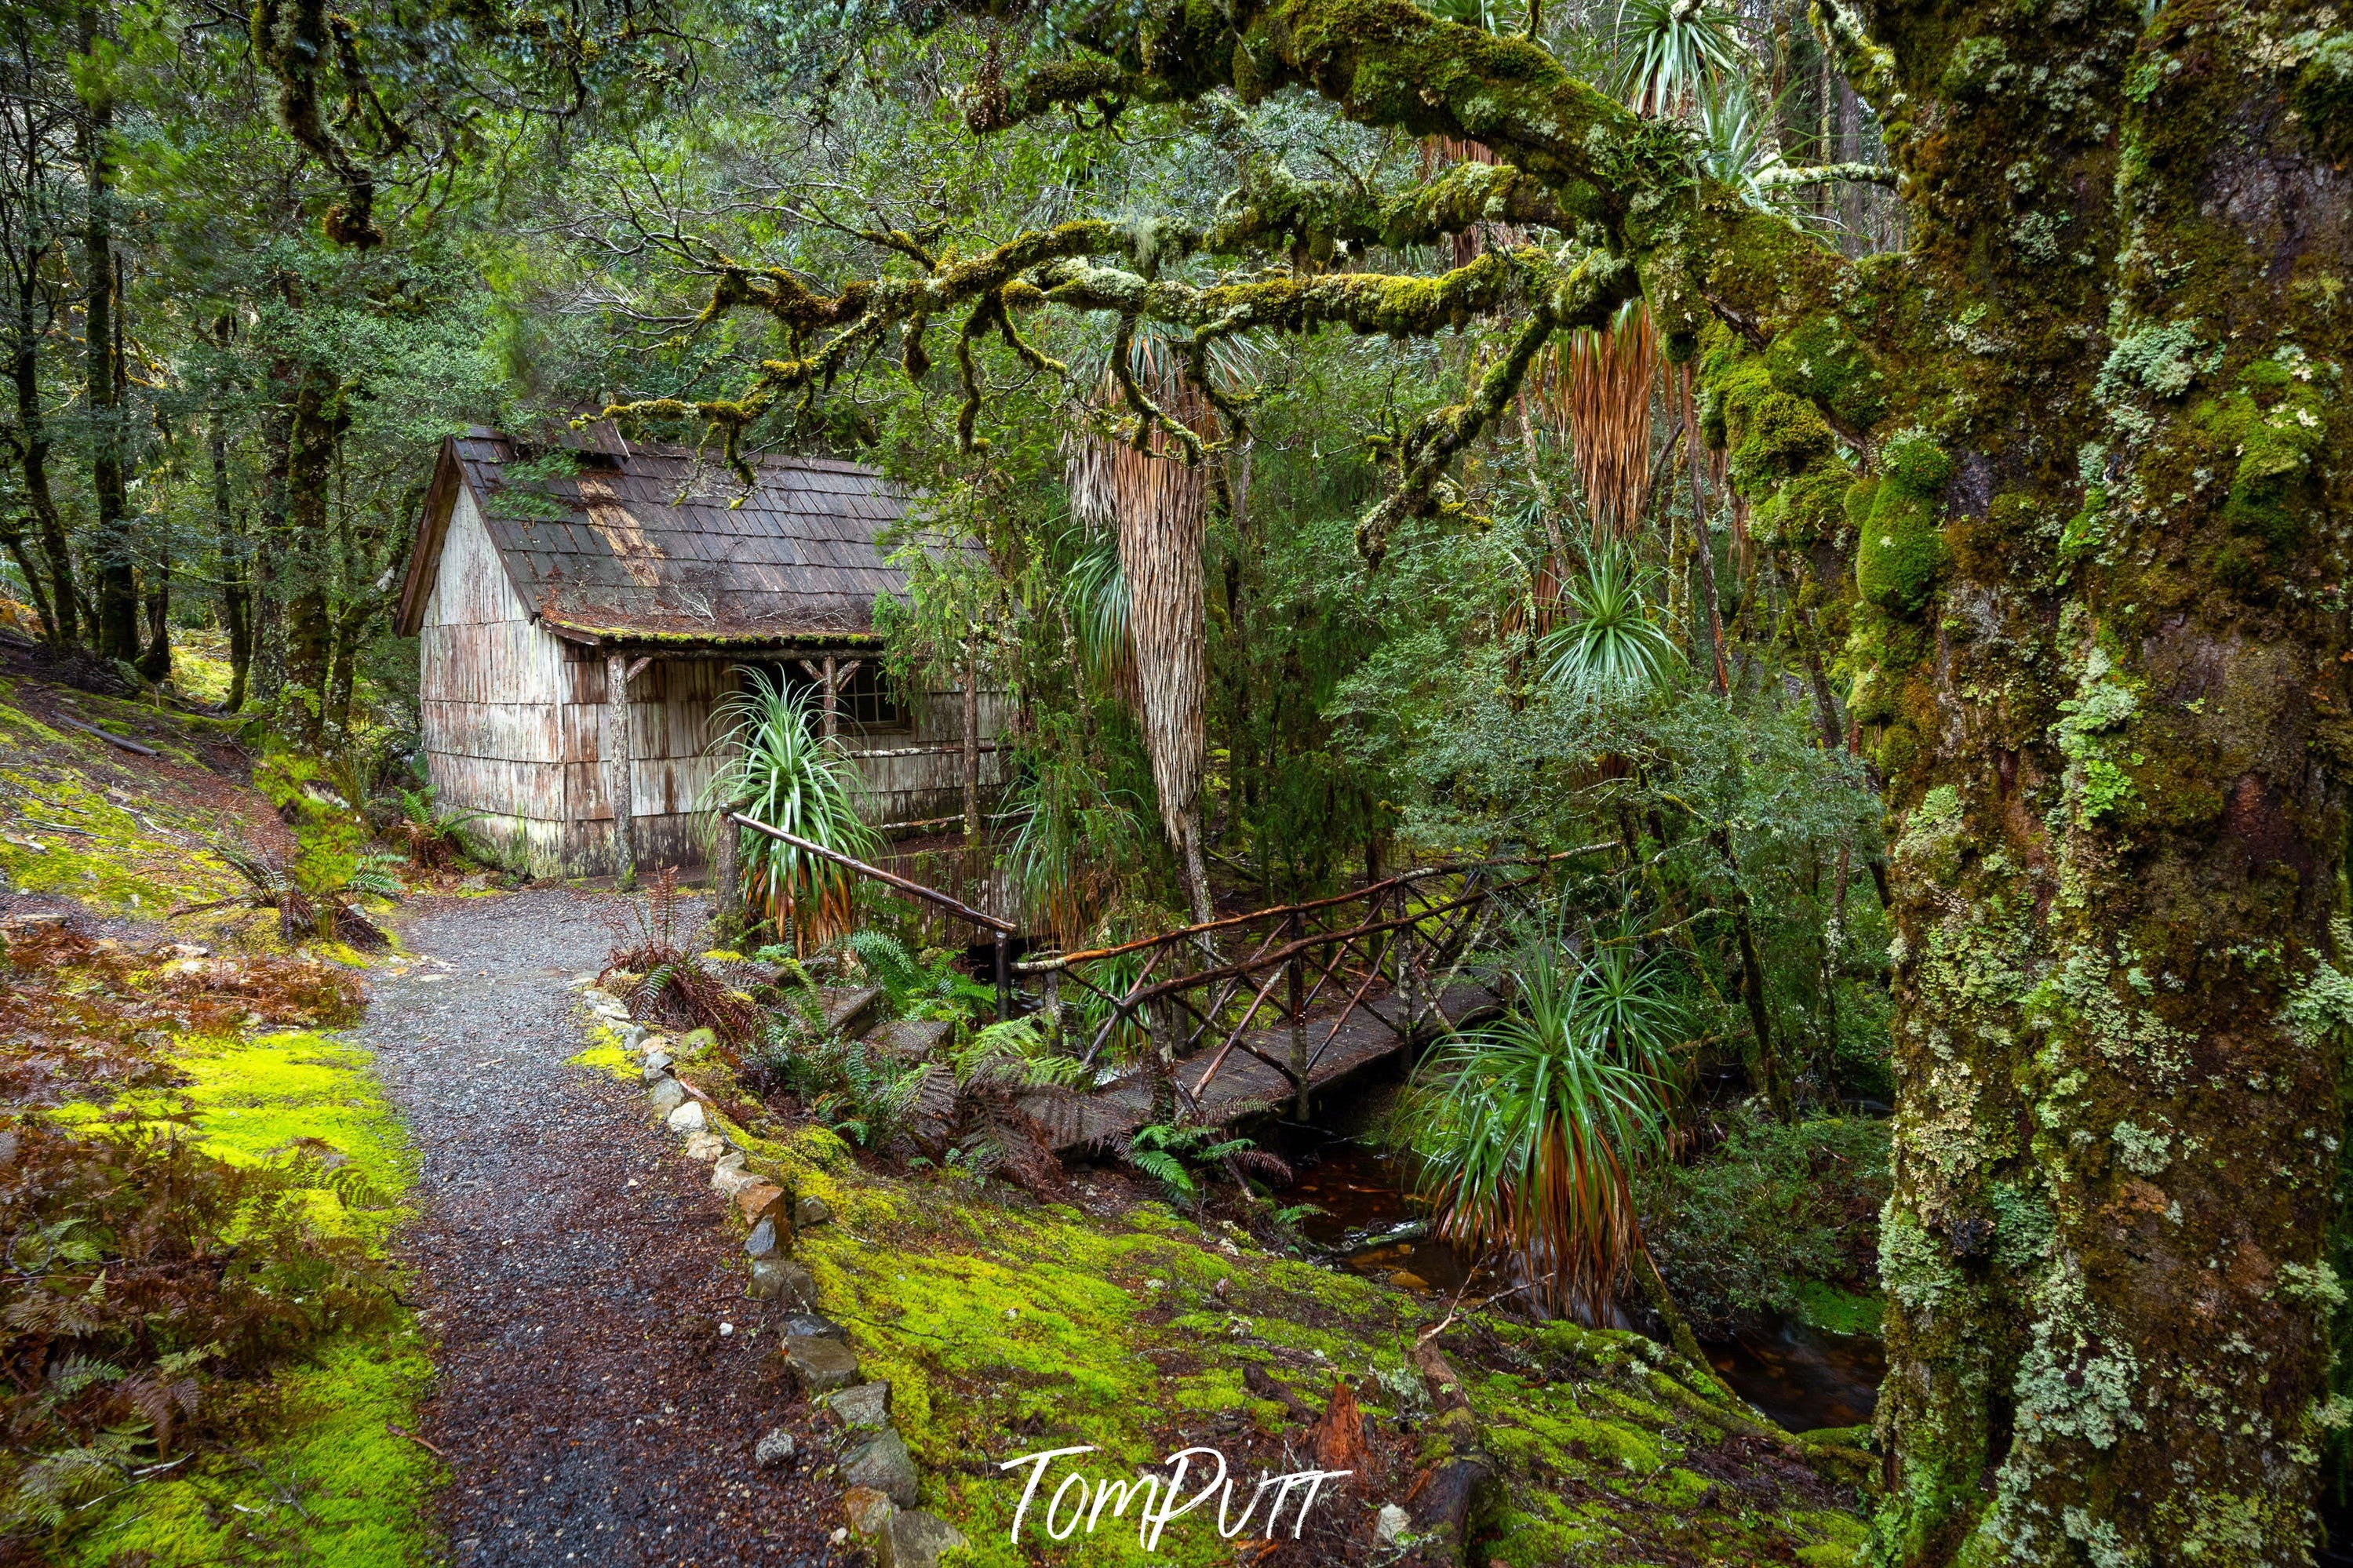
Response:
column 910, row 1040
column 633, row 1035
column 815, row 1324
column 656, row 1067
column 732, row 1160
column 705, row 1146
column 1406, row 1279
column 775, row 1448
column 847, row 1013
column 689, row 1118
column 810, row 1211
column 667, row 1095
column 820, row 1366
column 863, row 1405
column 783, row 1281
column 728, row 1180
column 1389, row 1524
column 870, row 1511
column 752, row 1201
column 915, row 1539
column 768, row 1237
column 651, row 1042
column 884, row 1463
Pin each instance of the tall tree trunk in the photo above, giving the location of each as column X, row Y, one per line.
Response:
column 156, row 659
column 316, row 426
column 268, row 604
column 61, row 615
column 236, row 598
column 2118, row 763
column 116, row 635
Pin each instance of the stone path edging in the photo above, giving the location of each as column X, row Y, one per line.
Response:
column 876, row 1464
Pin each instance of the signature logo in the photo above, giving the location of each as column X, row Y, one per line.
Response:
column 1159, row 1500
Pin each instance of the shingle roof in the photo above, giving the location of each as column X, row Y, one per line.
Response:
column 649, row 541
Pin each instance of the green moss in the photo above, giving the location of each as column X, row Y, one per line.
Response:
column 130, row 847
column 361, row 1491
column 2268, row 433
column 1837, row 1311
column 1899, row 548
column 325, row 1440
column 1820, row 359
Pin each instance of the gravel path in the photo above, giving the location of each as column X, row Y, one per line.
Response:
column 576, row 1269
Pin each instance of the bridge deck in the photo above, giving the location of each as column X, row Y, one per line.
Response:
column 1246, row 1085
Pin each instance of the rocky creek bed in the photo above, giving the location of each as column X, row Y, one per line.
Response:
column 575, row 1271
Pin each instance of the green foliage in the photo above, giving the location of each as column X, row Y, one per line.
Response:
column 1669, row 52
column 780, row 770
column 1613, row 639
column 329, row 834
column 919, row 987
column 1180, row 1157
column 1530, row 1131
column 1745, row 1230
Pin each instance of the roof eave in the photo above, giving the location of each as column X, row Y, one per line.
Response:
column 432, row 532
column 619, row 637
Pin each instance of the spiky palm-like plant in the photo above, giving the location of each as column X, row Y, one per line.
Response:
column 1669, row 52
column 1611, row 643
column 1095, row 589
column 783, row 771
column 1530, row 1131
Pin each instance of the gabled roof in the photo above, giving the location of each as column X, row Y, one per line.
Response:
column 649, row 544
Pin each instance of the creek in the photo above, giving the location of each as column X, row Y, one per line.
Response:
column 1800, row 1376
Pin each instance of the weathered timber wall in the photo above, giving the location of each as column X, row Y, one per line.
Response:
column 486, row 683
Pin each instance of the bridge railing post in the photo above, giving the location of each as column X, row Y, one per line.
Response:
column 1407, row 993
column 1295, row 1011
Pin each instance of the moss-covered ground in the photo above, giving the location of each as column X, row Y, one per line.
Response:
column 120, row 833
column 325, row 1479
column 1007, row 1327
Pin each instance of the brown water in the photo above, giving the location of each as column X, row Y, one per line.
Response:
column 1800, row 1376
column 1369, row 1224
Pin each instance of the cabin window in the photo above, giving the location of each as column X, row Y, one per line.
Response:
column 865, row 702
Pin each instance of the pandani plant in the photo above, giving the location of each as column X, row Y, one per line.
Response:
column 1529, row 1132
column 1608, row 640
column 1144, row 480
column 778, row 768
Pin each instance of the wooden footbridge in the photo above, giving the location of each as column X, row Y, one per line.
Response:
column 1213, row 1023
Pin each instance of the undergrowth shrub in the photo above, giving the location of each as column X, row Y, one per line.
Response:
column 1739, row 1232
column 146, row 1286
column 665, row 984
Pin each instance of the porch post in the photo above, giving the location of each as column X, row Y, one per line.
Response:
column 726, row 858
column 617, row 784
column 972, row 736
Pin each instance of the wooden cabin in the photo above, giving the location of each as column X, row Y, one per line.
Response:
column 583, row 609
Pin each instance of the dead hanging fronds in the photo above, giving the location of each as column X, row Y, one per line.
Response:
column 1595, row 387
column 1150, row 486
